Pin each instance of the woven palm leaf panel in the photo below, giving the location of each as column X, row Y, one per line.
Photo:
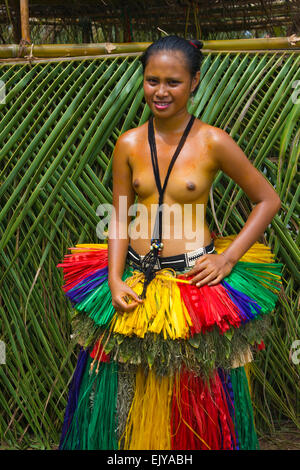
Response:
column 58, row 127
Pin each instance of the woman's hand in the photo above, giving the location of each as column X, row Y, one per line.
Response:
column 122, row 294
column 210, row 269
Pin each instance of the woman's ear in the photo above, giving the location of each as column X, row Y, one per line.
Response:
column 195, row 81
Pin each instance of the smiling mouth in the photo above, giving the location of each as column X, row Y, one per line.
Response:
column 161, row 104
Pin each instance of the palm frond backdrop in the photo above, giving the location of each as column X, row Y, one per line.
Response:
column 59, row 122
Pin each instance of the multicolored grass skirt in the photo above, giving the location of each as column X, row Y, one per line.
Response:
column 171, row 374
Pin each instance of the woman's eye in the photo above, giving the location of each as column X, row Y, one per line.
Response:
column 173, row 82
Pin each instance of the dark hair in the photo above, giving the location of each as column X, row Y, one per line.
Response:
column 191, row 49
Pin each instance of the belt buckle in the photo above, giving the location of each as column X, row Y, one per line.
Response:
column 193, row 258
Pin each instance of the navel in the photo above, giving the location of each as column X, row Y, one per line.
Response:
column 136, row 183
column 190, row 185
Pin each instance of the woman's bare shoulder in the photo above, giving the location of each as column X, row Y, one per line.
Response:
column 217, row 140
column 209, row 131
column 131, row 137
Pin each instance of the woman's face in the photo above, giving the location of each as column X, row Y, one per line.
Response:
column 168, row 83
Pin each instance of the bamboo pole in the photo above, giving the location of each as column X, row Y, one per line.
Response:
column 24, row 13
column 291, row 43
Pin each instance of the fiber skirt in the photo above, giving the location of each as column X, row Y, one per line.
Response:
column 172, row 373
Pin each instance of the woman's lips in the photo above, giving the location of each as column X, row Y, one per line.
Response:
column 161, row 105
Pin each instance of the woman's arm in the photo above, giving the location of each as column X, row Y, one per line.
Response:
column 118, row 239
column 123, row 197
column 236, row 165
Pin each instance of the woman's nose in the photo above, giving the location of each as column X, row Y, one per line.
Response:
column 161, row 91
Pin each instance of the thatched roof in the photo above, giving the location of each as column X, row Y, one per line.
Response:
column 198, row 18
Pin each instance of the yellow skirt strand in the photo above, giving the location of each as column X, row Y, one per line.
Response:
column 148, row 422
column 257, row 253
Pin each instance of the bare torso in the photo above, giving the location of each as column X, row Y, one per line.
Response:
column 189, row 184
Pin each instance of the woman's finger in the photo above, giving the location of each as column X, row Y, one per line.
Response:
column 198, row 267
column 130, row 293
column 131, row 306
column 122, row 306
column 216, row 281
column 124, row 302
column 200, row 275
column 205, row 280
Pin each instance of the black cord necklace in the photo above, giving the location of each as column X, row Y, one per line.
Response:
column 156, row 246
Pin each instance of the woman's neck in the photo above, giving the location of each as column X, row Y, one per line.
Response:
column 173, row 124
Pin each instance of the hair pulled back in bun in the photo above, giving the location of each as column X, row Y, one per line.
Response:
column 196, row 43
column 191, row 49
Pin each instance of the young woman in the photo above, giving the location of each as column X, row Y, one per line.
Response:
column 166, row 314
